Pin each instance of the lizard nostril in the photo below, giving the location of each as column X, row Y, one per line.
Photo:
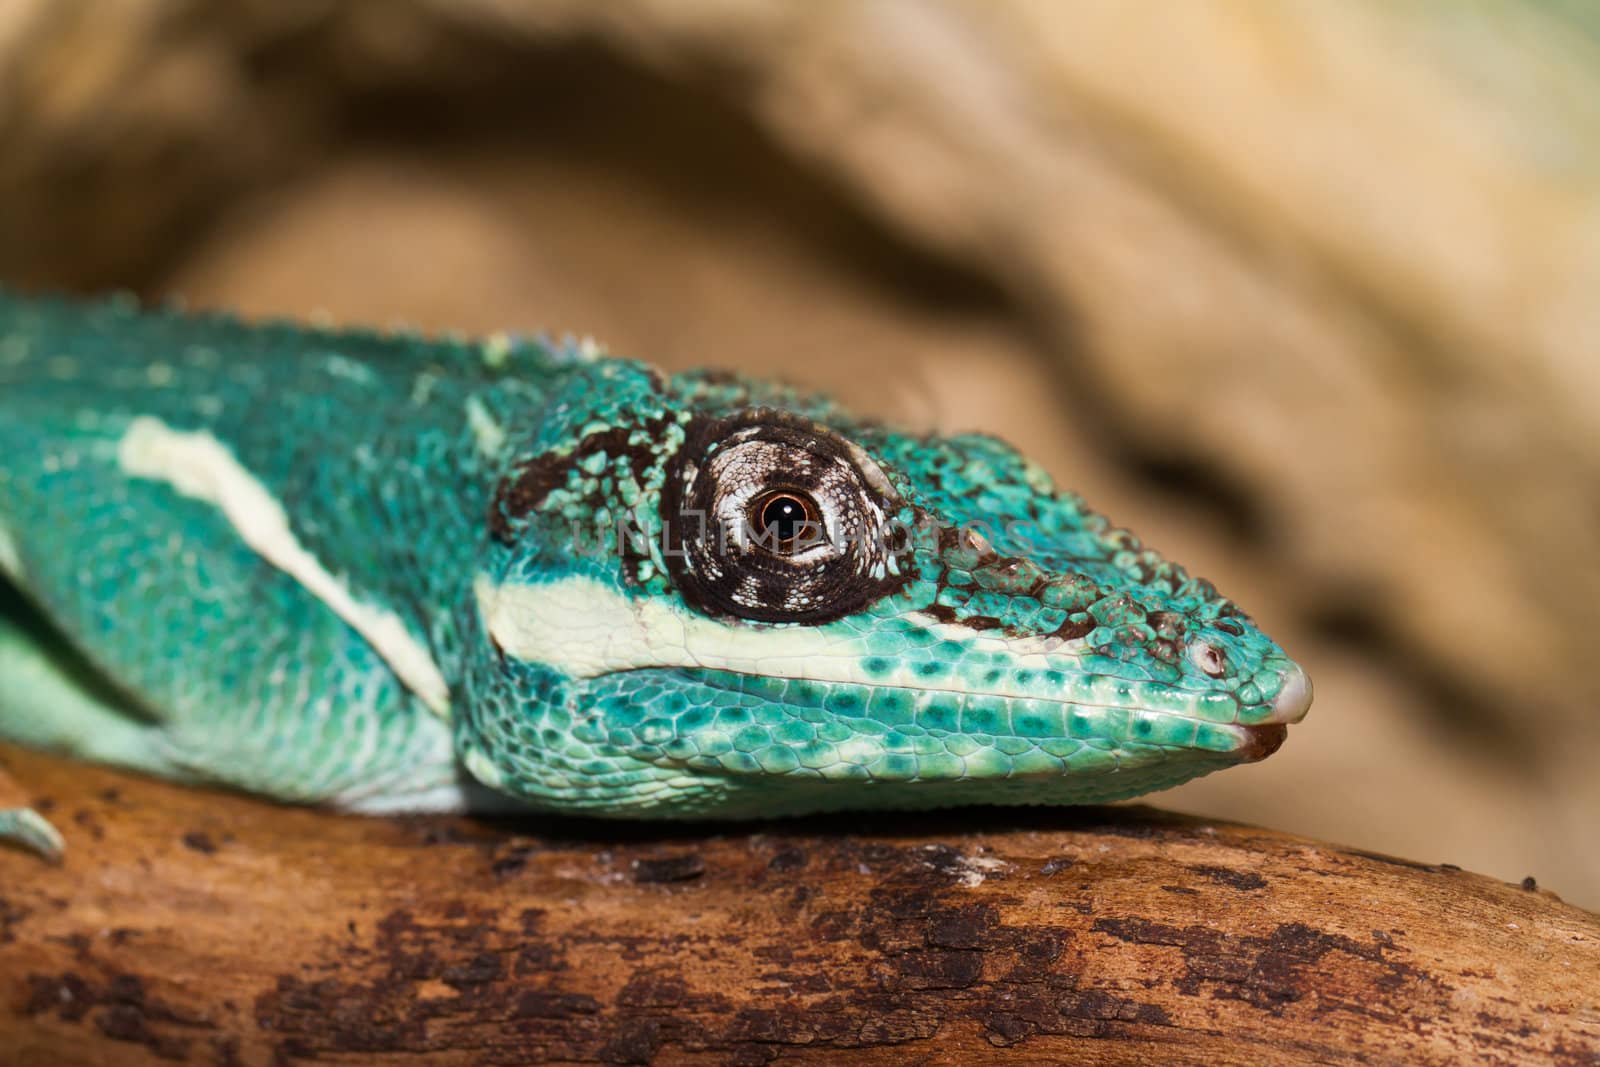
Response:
column 1209, row 658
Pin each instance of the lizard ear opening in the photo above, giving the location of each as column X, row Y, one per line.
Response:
column 771, row 519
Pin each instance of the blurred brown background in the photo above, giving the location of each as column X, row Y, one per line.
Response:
column 1307, row 294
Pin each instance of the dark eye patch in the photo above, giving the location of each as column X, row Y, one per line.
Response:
column 772, row 519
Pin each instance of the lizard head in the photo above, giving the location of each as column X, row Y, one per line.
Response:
column 710, row 597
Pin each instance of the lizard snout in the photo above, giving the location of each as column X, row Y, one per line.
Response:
column 1294, row 696
column 1289, row 706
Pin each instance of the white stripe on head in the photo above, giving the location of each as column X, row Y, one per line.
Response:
column 585, row 628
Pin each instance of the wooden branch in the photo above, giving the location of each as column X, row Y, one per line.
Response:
column 199, row 927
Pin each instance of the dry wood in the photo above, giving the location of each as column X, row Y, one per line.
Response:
column 199, row 927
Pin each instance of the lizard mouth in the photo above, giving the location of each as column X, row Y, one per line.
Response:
column 1263, row 741
column 1140, row 727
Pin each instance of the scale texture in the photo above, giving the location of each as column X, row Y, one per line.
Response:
column 384, row 572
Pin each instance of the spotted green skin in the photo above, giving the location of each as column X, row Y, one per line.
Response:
column 149, row 634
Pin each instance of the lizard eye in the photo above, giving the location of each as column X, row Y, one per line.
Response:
column 772, row 519
column 787, row 520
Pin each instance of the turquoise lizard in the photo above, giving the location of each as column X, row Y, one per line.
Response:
column 388, row 573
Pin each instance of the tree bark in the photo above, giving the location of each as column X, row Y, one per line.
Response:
column 201, row 927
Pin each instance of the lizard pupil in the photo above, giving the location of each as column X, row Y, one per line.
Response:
column 785, row 516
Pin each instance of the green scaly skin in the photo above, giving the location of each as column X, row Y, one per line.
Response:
column 389, row 573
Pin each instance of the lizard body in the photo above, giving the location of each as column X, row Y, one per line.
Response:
column 394, row 573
